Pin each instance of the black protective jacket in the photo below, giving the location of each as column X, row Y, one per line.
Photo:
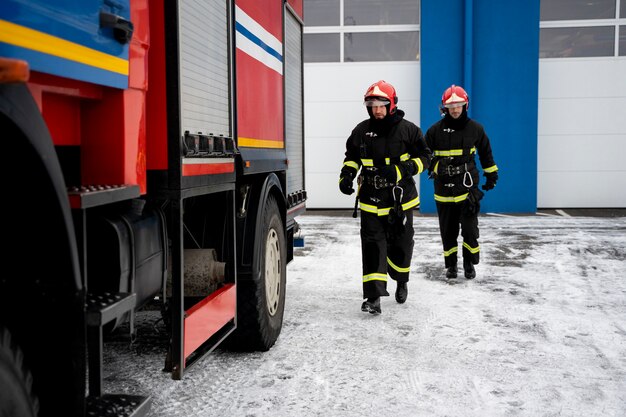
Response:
column 373, row 145
column 454, row 146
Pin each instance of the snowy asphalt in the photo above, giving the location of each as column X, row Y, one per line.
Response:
column 541, row 331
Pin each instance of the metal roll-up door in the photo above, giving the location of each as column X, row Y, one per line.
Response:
column 294, row 107
column 204, row 80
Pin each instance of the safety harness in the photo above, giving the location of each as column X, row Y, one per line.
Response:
column 454, row 170
column 370, row 177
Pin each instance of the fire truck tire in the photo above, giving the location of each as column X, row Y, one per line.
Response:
column 261, row 301
column 16, row 398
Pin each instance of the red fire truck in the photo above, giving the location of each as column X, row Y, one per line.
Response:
column 152, row 153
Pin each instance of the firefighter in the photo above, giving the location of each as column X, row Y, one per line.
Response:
column 455, row 140
column 388, row 151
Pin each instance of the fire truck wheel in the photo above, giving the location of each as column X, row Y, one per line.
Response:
column 16, row 398
column 261, row 302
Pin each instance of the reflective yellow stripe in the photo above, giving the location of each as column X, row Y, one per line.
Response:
column 375, row 277
column 436, row 165
column 368, row 208
column 374, row 210
column 420, row 165
column 398, row 174
column 370, row 162
column 452, row 199
column 260, row 143
column 471, row 249
column 410, row 204
column 451, row 251
column 385, row 211
column 493, row 168
column 35, row 40
column 453, row 152
column 352, row 164
column 397, row 268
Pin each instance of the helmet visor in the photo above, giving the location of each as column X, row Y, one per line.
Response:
column 375, row 102
column 454, row 105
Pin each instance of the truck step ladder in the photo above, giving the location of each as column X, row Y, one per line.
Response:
column 118, row 406
column 101, row 309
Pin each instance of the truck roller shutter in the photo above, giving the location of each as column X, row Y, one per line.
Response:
column 294, row 104
column 204, row 72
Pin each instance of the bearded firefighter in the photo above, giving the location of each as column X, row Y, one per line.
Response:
column 386, row 151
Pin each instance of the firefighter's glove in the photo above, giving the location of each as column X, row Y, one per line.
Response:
column 492, row 178
column 395, row 172
column 472, row 203
column 409, row 168
column 434, row 167
column 345, row 182
column 390, row 173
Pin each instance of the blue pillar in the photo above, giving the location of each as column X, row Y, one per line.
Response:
column 490, row 48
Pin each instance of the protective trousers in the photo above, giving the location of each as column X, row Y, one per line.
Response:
column 451, row 216
column 385, row 250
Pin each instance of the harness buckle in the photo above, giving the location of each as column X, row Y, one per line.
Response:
column 453, row 170
column 379, row 182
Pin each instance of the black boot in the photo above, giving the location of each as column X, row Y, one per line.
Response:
column 402, row 291
column 371, row 305
column 451, row 272
column 470, row 272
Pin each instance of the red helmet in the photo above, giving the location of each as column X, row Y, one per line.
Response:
column 454, row 96
column 381, row 93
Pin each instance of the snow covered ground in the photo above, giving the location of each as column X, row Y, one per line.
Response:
column 541, row 331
